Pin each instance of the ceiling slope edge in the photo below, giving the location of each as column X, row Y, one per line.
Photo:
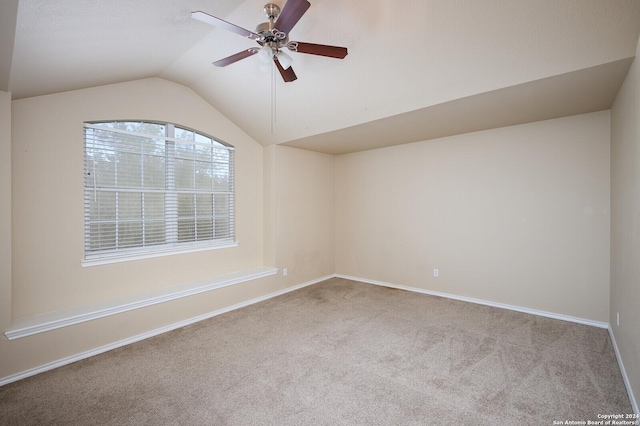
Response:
column 579, row 92
column 8, row 17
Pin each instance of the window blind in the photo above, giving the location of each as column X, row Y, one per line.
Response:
column 154, row 186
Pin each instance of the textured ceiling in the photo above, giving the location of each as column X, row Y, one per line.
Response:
column 578, row 92
column 456, row 65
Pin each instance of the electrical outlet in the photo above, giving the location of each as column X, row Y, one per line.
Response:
column 285, row 272
column 436, row 273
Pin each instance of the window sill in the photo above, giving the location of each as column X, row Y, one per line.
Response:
column 55, row 320
column 125, row 256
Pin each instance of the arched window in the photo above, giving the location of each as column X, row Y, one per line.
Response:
column 154, row 188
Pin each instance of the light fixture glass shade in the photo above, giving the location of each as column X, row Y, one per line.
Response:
column 284, row 59
column 265, row 54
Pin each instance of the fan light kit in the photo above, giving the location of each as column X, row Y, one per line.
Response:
column 273, row 37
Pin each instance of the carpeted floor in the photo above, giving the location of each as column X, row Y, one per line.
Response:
column 338, row 353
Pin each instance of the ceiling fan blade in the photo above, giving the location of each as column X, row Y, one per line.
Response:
column 235, row 58
column 291, row 14
column 318, row 49
column 287, row 75
column 220, row 23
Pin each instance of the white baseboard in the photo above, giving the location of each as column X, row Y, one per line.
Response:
column 627, row 383
column 481, row 302
column 152, row 333
column 52, row 321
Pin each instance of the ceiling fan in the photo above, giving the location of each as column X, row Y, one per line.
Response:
column 273, row 37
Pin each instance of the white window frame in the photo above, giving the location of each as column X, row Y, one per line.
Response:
column 172, row 245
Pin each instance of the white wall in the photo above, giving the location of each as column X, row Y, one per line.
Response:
column 517, row 215
column 300, row 212
column 625, row 224
column 5, row 210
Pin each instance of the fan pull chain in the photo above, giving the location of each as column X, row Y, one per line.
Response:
column 273, row 96
column 272, row 113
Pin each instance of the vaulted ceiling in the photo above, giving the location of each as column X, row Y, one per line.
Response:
column 416, row 69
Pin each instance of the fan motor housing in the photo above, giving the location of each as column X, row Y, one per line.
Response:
column 267, row 35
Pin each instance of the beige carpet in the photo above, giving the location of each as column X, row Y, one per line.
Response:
column 338, row 353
